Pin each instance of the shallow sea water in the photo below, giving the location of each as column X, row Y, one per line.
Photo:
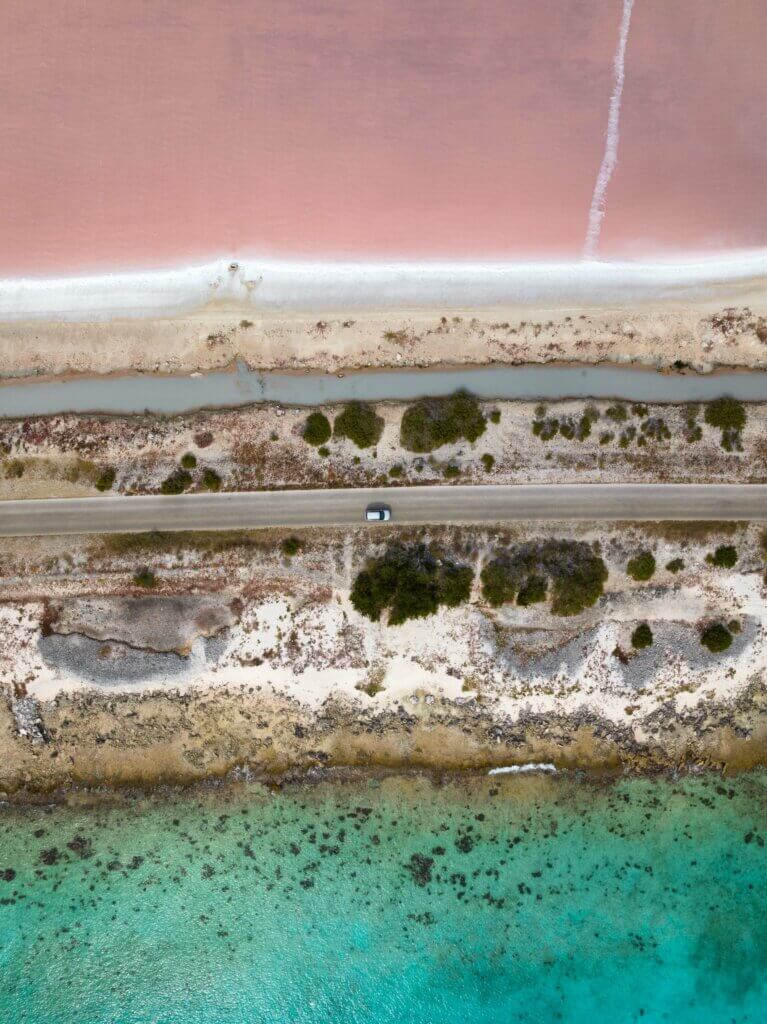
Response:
column 513, row 899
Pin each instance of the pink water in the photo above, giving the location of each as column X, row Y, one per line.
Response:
column 158, row 131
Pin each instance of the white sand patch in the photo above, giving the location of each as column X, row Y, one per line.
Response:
column 282, row 285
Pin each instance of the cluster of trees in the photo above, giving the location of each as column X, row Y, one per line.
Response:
column 411, row 582
column 571, row 571
column 358, row 421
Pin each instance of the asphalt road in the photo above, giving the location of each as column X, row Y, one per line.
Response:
column 441, row 504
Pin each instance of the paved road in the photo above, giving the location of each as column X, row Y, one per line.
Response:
column 442, row 504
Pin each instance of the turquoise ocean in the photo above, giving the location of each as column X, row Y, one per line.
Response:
column 520, row 899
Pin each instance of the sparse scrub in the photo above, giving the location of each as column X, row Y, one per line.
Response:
column 576, row 574
column 451, row 472
column 412, row 582
column 317, row 429
column 533, row 591
column 396, row 471
column 360, row 423
column 433, row 422
column 642, row 567
column 675, row 565
column 617, row 413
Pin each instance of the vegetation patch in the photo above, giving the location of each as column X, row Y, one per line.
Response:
column 716, row 638
column 675, row 565
column 724, row 557
column 412, row 582
column 316, row 429
column 360, row 423
column 433, row 422
column 641, row 637
column 488, row 461
column 189, row 460
column 291, row 546
column 105, row 479
column 729, row 415
column 577, row 575
column 145, row 578
column 642, row 567
column 211, row 481
column 177, row 482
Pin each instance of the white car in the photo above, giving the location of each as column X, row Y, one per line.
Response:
column 378, row 513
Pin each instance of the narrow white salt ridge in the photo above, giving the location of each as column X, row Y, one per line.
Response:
column 270, row 286
column 610, row 157
column 520, row 769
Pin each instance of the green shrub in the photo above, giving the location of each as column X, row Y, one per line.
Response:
column 726, row 414
column 641, row 567
column 189, row 461
column 451, row 472
column 105, row 479
column 360, row 423
column 533, row 591
column 211, row 481
column 576, row 574
column 396, row 471
column 488, row 461
column 617, row 413
column 14, row 469
column 675, row 565
column 495, row 416
column 546, row 429
column 642, row 637
column 411, row 582
column 177, row 482
column 433, row 422
column 724, row 557
column 734, row 626
column 639, row 409
column 291, row 546
column 316, row 429
column 323, row 452
column 145, row 578
column 716, row 637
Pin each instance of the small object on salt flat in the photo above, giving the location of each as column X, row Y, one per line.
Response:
column 195, row 375
column 516, row 769
column 340, row 376
column 234, row 266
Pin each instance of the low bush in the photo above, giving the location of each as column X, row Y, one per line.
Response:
column 451, row 472
column 189, row 461
column 433, row 422
column 642, row 567
column 724, row 557
column 533, row 591
column 488, row 461
column 316, row 429
column 576, row 574
column 716, row 638
column 495, row 416
column 145, row 578
column 729, row 415
column 176, row 483
column 726, row 414
column 211, row 481
column 617, row 413
column 360, row 423
column 323, row 452
column 675, row 565
column 291, row 546
column 396, row 471
column 412, row 582
column 105, row 479
column 641, row 637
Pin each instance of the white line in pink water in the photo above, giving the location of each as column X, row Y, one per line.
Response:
column 610, row 158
